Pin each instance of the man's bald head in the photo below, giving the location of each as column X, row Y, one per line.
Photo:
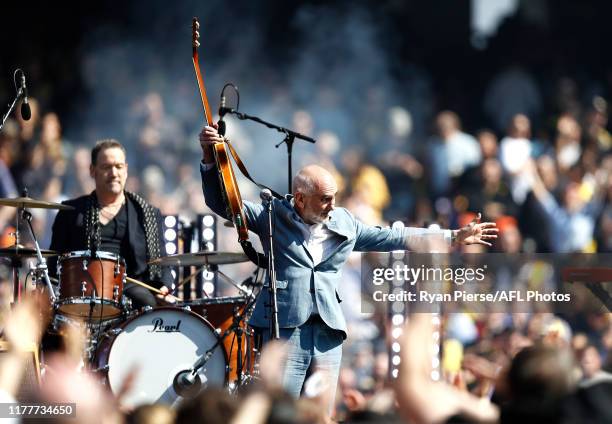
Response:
column 315, row 190
column 312, row 178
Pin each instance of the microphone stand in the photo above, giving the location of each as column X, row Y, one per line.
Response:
column 188, row 382
column 289, row 139
column 12, row 106
column 274, row 330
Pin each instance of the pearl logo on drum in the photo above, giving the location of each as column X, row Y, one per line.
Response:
column 159, row 327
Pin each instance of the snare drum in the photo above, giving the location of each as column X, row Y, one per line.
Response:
column 219, row 311
column 86, row 281
column 157, row 345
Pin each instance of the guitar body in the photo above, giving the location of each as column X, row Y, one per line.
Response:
column 231, row 193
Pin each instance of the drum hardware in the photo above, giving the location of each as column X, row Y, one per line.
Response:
column 229, row 317
column 41, row 264
column 239, row 332
column 102, row 369
column 114, row 331
column 16, row 252
column 83, row 287
column 116, row 293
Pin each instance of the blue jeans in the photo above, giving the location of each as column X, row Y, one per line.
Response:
column 313, row 340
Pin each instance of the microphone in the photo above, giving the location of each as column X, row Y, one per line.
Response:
column 223, row 110
column 186, row 384
column 265, row 195
column 26, row 112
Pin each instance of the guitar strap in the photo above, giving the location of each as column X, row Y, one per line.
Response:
column 254, row 256
column 244, row 171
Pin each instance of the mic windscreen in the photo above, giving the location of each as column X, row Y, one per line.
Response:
column 265, row 194
column 26, row 112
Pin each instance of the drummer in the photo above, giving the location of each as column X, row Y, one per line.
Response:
column 114, row 220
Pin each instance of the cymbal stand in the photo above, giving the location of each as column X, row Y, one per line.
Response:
column 16, row 264
column 242, row 290
column 41, row 263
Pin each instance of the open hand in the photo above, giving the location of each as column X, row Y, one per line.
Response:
column 477, row 232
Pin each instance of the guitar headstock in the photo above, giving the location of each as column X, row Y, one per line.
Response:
column 195, row 33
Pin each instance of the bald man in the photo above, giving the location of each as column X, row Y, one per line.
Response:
column 312, row 241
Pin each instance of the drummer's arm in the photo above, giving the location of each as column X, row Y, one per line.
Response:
column 58, row 232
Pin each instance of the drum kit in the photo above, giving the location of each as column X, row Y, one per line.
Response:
column 168, row 353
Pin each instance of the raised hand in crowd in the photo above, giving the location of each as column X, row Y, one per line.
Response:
column 422, row 400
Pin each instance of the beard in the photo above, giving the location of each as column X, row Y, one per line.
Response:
column 318, row 218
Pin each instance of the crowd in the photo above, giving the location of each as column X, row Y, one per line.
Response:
column 548, row 188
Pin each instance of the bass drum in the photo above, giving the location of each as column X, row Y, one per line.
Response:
column 154, row 347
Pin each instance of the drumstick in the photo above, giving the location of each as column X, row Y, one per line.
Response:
column 140, row 283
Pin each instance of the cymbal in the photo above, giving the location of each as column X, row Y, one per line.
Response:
column 201, row 258
column 28, row 202
column 23, row 252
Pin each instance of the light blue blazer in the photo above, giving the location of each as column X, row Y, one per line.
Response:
column 301, row 283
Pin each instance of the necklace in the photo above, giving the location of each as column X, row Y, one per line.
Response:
column 109, row 211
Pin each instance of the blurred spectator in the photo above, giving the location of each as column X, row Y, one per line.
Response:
column 515, row 151
column 214, row 406
column 488, row 144
column 450, row 152
column 538, row 380
column 595, row 129
column 590, row 362
column 152, row 414
column 28, row 135
column 572, row 225
column 78, row 182
column 422, row 400
column 510, row 239
column 489, row 191
column 9, row 139
column 369, row 194
column 567, row 142
column 46, row 165
column 396, row 160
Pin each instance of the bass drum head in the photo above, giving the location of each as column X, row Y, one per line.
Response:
column 156, row 346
